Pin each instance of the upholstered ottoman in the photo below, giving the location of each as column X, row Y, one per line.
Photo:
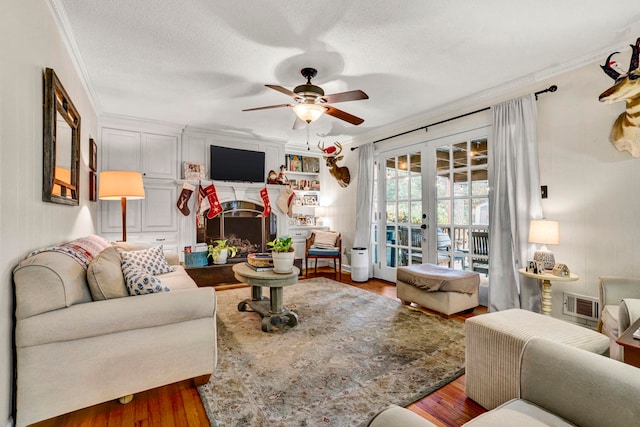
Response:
column 437, row 288
column 494, row 342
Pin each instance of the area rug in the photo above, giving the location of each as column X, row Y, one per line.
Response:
column 352, row 354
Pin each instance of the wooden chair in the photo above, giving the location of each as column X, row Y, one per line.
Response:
column 335, row 253
column 480, row 241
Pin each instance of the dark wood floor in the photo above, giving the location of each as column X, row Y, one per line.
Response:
column 179, row 404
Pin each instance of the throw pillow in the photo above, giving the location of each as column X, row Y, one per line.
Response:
column 151, row 260
column 325, row 239
column 139, row 282
column 104, row 276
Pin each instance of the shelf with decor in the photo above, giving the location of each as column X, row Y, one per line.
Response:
column 304, row 176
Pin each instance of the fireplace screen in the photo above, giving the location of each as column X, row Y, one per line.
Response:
column 242, row 224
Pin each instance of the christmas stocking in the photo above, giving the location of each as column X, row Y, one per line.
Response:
column 285, row 201
column 183, row 200
column 265, row 199
column 215, row 208
column 203, row 205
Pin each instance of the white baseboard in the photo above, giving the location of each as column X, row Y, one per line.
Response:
column 10, row 422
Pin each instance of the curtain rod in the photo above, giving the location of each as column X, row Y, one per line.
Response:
column 551, row 88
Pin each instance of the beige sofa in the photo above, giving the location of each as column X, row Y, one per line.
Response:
column 560, row 385
column 73, row 351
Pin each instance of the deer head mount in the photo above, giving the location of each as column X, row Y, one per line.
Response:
column 625, row 133
column 340, row 173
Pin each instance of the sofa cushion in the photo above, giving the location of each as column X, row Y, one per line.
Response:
column 609, row 319
column 151, row 260
column 140, row 282
column 518, row 413
column 104, row 276
column 178, row 279
column 83, row 249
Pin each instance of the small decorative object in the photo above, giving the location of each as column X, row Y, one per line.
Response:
column 193, row 171
column 531, row 267
column 93, row 186
column 93, row 155
column 625, row 133
column 561, row 270
column 282, row 178
column 272, row 178
column 340, row 173
column 310, row 164
column 260, row 259
column 295, row 164
column 540, row 267
column 544, row 232
column 283, row 254
column 221, row 251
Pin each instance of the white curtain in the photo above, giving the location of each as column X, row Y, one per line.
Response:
column 364, row 200
column 514, row 199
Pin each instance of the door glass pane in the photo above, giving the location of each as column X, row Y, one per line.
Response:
column 444, row 212
column 479, row 182
column 460, row 155
column 403, row 257
column 461, row 212
column 403, row 212
column 416, row 186
column 403, row 236
column 391, row 249
column 442, row 159
column 416, row 213
column 416, row 237
column 479, row 152
column 443, row 187
column 403, row 188
column 415, row 165
column 403, row 165
column 480, row 214
column 391, row 212
column 461, row 184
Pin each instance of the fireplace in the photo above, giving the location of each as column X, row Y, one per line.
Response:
column 242, row 223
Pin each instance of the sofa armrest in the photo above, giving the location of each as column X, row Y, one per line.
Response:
column 628, row 313
column 584, row 388
column 614, row 289
column 116, row 315
column 396, row 416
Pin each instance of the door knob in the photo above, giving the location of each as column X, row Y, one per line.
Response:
column 423, row 226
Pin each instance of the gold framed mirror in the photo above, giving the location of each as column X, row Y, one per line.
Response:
column 61, row 144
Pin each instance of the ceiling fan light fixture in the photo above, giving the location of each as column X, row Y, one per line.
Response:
column 309, row 112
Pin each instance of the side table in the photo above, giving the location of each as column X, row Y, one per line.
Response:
column 272, row 309
column 545, row 281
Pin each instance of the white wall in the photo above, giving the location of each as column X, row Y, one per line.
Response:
column 30, row 43
column 592, row 187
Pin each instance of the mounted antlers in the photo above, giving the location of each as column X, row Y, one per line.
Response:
column 340, row 173
column 625, row 133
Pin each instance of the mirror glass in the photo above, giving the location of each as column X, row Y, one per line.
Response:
column 61, row 149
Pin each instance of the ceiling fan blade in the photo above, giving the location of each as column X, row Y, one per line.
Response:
column 352, row 95
column 342, row 115
column 283, row 90
column 299, row 124
column 268, row 107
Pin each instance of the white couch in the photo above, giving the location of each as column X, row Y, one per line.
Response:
column 560, row 385
column 73, row 351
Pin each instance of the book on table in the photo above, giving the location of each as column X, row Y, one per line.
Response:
column 253, row 267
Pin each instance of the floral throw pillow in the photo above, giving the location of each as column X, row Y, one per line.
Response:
column 151, row 260
column 139, row 282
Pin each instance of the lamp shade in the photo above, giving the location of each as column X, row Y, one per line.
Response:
column 114, row 185
column 544, row 232
column 308, row 111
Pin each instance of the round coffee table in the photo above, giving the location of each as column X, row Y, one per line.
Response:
column 272, row 309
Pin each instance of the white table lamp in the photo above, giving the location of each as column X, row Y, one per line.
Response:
column 121, row 185
column 544, row 232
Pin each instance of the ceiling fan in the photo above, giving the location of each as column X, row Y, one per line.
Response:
column 311, row 102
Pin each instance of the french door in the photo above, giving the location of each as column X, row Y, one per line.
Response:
column 431, row 205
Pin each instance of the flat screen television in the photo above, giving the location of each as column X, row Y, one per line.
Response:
column 234, row 164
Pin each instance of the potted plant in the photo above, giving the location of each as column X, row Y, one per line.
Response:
column 282, row 254
column 221, row 251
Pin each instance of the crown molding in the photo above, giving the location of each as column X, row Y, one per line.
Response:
column 62, row 22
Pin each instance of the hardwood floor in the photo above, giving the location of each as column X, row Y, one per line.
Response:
column 179, row 404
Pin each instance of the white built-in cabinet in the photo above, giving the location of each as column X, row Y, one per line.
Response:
column 153, row 220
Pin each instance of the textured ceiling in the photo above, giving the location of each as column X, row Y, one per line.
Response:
column 200, row 62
